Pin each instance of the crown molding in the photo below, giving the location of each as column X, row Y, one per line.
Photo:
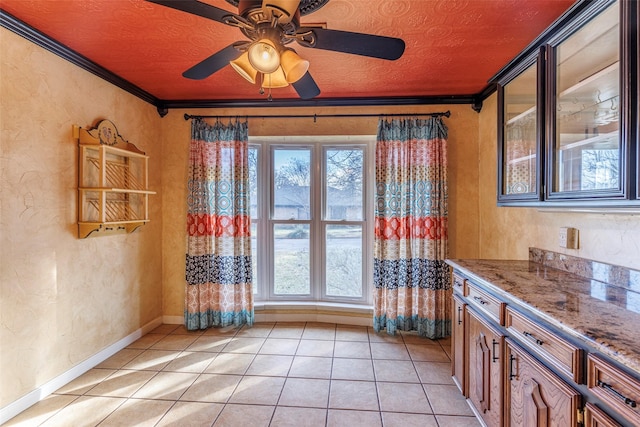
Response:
column 20, row 28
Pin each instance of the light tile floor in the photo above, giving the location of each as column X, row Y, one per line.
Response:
column 282, row 374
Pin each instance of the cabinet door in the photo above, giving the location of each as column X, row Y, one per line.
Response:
column 595, row 417
column 536, row 397
column 519, row 133
column 588, row 136
column 485, row 346
column 458, row 347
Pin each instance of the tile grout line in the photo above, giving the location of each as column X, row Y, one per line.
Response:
column 126, row 399
column 254, row 355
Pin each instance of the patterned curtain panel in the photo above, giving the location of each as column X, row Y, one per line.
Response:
column 412, row 281
column 218, row 265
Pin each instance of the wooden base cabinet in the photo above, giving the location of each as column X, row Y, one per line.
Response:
column 458, row 344
column 518, row 368
column 535, row 396
column 486, row 372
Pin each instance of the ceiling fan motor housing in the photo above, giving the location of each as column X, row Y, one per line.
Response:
column 284, row 10
column 268, row 20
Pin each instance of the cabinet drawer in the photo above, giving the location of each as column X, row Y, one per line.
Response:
column 595, row 417
column 560, row 353
column 488, row 304
column 616, row 388
column 459, row 284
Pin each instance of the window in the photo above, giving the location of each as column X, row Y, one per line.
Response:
column 310, row 218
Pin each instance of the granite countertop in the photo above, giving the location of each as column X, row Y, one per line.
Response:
column 605, row 317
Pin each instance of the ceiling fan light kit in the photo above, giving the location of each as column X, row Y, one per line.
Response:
column 270, row 25
column 263, row 56
column 294, row 67
column 275, row 80
column 243, row 67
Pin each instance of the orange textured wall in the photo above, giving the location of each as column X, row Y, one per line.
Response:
column 64, row 299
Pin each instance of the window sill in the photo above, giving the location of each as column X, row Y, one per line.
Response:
column 349, row 314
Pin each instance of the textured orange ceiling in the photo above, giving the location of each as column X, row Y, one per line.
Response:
column 452, row 46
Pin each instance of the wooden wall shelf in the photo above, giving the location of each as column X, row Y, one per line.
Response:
column 112, row 182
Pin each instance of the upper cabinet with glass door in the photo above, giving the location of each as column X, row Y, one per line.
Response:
column 583, row 107
column 519, row 153
column 587, row 147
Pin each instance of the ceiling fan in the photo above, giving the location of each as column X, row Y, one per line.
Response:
column 270, row 26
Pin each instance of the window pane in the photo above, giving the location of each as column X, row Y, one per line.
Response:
column 292, row 179
column 291, row 259
column 344, row 260
column 253, row 181
column 587, row 111
column 254, row 255
column 343, row 184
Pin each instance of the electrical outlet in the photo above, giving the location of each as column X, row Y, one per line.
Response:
column 562, row 237
column 568, row 238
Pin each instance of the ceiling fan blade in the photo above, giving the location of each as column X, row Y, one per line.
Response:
column 201, row 9
column 306, row 87
column 213, row 63
column 382, row 47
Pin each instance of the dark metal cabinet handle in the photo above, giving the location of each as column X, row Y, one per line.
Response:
column 494, row 358
column 480, row 300
column 625, row 399
column 512, row 359
column 459, row 315
column 530, row 336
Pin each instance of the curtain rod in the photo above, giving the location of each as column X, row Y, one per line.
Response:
column 314, row 116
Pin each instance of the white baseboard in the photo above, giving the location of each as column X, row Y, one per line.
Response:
column 173, row 320
column 33, row 397
column 330, row 313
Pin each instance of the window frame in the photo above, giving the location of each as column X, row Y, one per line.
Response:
column 264, row 220
column 323, row 222
column 272, row 221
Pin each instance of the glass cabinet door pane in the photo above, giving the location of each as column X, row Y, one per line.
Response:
column 520, row 142
column 587, row 89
